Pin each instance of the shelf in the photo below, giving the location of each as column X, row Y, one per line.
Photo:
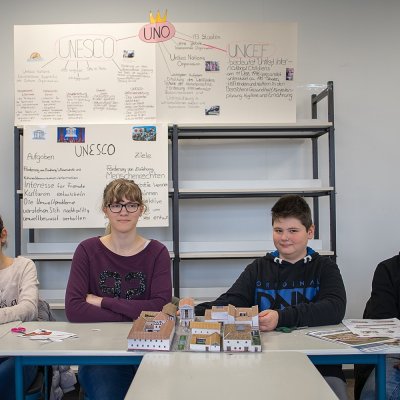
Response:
column 188, row 250
column 259, row 188
column 252, row 186
column 234, row 254
column 299, row 129
column 248, row 249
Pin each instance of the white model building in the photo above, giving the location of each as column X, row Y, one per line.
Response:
column 153, row 330
column 186, row 311
column 241, row 337
column 233, row 315
column 205, row 336
column 203, row 342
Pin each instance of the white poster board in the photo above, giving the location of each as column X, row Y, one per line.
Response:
column 65, row 170
column 174, row 73
column 105, row 79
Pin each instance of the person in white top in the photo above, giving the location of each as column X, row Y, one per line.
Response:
column 19, row 297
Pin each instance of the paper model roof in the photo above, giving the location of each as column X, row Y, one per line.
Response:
column 186, row 302
column 237, row 332
column 238, row 313
column 148, row 315
column 214, row 339
column 138, row 330
column 204, row 325
column 246, row 312
column 161, row 316
column 221, row 312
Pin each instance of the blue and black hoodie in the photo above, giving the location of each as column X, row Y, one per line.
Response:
column 309, row 292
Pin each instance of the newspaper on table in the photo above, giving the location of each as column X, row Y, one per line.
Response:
column 389, row 327
column 365, row 344
column 48, row 335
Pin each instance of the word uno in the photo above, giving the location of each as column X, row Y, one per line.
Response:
column 87, row 47
column 155, row 33
column 94, row 150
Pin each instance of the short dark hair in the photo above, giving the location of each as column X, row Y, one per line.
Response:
column 1, row 224
column 294, row 206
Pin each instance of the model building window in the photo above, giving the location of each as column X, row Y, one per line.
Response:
column 200, row 341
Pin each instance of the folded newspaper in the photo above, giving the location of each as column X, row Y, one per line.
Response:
column 389, row 327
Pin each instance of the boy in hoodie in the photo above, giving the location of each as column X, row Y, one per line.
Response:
column 294, row 285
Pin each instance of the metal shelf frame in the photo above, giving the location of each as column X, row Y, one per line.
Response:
column 220, row 132
column 268, row 131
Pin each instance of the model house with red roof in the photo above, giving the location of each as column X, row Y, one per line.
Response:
column 205, row 336
column 153, row 330
column 241, row 337
column 186, row 311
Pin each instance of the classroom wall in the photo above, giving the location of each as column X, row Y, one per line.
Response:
column 354, row 44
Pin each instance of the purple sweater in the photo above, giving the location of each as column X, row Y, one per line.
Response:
column 128, row 284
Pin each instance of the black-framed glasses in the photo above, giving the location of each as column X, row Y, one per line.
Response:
column 129, row 207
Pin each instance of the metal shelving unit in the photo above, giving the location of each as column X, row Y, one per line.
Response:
column 311, row 130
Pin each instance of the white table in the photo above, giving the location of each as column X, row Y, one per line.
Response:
column 199, row 376
column 323, row 352
column 6, row 328
column 106, row 343
column 96, row 344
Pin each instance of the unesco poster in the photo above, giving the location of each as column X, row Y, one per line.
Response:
column 65, row 170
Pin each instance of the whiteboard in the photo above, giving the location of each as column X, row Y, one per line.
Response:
column 164, row 71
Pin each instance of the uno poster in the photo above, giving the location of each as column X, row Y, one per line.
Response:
column 155, row 71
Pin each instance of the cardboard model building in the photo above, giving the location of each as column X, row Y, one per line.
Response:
column 186, row 311
column 241, row 337
column 233, row 315
column 153, row 330
column 205, row 336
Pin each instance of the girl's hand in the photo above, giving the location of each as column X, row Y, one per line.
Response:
column 94, row 300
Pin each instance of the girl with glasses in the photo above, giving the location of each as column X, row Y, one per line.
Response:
column 113, row 278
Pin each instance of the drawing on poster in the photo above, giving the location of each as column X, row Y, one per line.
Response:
column 154, row 72
column 144, row 133
column 70, row 135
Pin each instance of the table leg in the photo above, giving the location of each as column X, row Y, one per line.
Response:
column 380, row 377
column 19, row 378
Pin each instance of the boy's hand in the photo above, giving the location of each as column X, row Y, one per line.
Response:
column 268, row 320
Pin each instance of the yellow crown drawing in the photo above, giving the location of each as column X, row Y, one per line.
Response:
column 158, row 19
